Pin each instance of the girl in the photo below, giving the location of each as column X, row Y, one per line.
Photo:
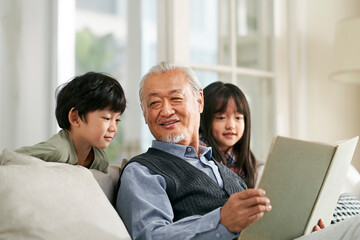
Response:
column 225, row 126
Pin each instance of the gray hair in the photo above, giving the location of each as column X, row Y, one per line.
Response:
column 164, row 67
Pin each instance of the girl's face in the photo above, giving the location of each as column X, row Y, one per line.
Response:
column 228, row 127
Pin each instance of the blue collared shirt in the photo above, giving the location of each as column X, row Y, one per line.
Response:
column 146, row 210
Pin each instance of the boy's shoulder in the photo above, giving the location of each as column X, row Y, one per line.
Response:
column 62, row 142
column 58, row 148
column 61, row 136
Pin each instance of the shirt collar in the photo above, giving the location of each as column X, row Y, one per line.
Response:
column 181, row 150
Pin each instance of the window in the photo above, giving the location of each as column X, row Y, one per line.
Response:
column 226, row 40
column 232, row 41
column 100, row 43
column 94, row 35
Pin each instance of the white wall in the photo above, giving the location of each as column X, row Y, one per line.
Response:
column 27, row 84
column 26, row 87
column 332, row 110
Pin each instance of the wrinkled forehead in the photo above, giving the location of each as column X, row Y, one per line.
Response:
column 167, row 83
column 158, row 92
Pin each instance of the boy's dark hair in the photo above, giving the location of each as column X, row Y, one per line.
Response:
column 86, row 93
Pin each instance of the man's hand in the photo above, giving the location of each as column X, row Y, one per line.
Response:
column 244, row 208
column 320, row 225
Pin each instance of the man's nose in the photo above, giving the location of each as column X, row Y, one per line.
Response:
column 167, row 109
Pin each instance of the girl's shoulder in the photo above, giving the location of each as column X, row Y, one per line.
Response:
column 203, row 141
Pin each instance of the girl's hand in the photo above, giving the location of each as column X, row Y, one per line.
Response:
column 320, row 225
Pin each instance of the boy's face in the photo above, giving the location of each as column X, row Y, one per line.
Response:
column 98, row 128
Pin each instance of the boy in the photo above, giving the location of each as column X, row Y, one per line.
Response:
column 88, row 110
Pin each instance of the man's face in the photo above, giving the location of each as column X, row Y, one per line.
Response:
column 170, row 108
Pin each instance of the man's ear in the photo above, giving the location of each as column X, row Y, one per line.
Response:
column 200, row 100
column 145, row 118
column 73, row 117
column 144, row 112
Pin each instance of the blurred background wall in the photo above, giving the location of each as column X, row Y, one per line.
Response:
column 280, row 53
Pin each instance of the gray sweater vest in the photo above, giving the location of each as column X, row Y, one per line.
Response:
column 191, row 191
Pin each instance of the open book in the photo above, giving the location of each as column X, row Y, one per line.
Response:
column 303, row 182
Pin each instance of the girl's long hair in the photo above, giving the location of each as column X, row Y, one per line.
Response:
column 216, row 99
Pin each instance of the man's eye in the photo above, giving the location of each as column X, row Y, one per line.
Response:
column 176, row 99
column 153, row 104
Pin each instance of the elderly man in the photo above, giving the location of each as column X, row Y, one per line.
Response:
column 176, row 190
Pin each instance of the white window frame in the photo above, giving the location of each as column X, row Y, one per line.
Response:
column 173, row 45
column 174, row 25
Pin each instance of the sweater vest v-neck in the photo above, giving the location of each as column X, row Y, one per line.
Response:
column 190, row 190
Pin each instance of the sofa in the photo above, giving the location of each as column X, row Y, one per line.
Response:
column 46, row 200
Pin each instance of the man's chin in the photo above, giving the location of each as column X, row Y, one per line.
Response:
column 174, row 138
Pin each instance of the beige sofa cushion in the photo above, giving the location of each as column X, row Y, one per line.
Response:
column 43, row 200
column 109, row 181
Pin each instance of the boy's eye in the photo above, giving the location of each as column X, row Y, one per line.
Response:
column 118, row 120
